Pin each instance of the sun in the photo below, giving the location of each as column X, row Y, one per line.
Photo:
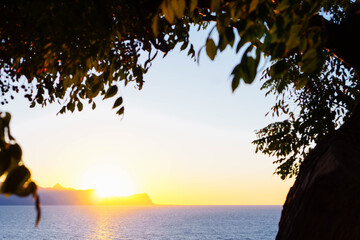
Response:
column 112, row 185
column 108, row 181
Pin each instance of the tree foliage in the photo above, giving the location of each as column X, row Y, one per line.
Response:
column 316, row 88
column 314, row 105
column 17, row 177
column 74, row 51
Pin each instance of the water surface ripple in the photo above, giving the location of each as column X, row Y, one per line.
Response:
column 132, row 223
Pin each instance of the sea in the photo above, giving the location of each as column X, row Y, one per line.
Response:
column 152, row 223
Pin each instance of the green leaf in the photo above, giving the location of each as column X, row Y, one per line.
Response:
column 80, row 106
column 247, row 66
column 93, row 106
column 178, row 7
column 309, row 55
column 222, row 43
column 253, row 5
column 303, row 44
column 111, row 92
column 67, row 82
column 31, row 188
column 294, row 39
column 278, row 51
column 215, row 5
column 154, row 25
column 121, row 111
column 96, row 88
column 5, row 160
column 39, row 99
column 241, row 26
column 191, row 51
column 71, row 106
column 193, row 4
column 230, row 36
column 278, row 68
column 310, row 61
column 168, row 11
column 236, row 72
column 7, row 119
column 15, row 179
column 235, row 83
column 252, row 65
column 281, row 85
column 211, row 48
column 184, row 45
column 16, row 152
column 279, row 23
column 241, row 43
column 283, row 6
column 118, row 102
column 245, row 71
column 301, row 82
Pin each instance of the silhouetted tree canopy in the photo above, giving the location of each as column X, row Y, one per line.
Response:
column 74, row 51
column 319, row 107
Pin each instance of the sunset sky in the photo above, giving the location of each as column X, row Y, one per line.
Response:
column 184, row 139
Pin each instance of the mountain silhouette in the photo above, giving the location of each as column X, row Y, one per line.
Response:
column 59, row 195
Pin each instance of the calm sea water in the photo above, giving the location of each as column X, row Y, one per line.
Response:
column 159, row 222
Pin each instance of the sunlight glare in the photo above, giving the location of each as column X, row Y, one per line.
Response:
column 108, row 181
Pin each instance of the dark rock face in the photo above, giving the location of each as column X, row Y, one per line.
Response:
column 324, row 202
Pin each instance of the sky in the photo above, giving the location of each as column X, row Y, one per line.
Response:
column 185, row 138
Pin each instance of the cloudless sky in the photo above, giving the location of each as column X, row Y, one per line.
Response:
column 184, row 138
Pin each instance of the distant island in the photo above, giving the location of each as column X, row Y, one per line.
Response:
column 59, row 195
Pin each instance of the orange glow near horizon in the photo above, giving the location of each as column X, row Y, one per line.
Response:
column 108, row 181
